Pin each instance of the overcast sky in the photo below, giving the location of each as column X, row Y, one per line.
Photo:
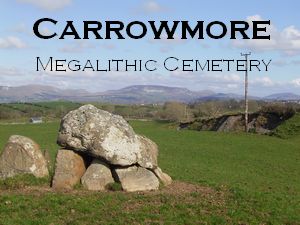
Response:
column 19, row 47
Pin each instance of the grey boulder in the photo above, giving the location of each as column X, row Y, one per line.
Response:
column 137, row 179
column 97, row 176
column 69, row 168
column 21, row 155
column 106, row 136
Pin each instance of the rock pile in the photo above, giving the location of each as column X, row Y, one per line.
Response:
column 100, row 148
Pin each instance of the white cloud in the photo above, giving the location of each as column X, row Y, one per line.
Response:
column 9, row 71
column 152, row 7
column 12, row 42
column 263, row 81
column 286, row 41
column 296, row 82
column 232, row 86
column 232, row 78
column 49, row 5
column 208, row 78
column 184, row 75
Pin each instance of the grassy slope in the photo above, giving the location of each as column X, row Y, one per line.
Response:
column 258, row 174
column 290, row 128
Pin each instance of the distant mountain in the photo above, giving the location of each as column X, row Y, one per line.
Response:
column 221, row 96
column 224, row 96
column 283, row 97
column 129, row 95
column 34, row 93
column 137, row 94
column 150, row 94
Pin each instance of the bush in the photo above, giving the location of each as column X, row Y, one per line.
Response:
column 261, row 120
column 280, row 109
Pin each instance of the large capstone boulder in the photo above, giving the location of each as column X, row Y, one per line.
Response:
column 106, row 136
column 148, row 153
column 137, row 179
column 97, row 176
column 69, row 168
column 21, row 155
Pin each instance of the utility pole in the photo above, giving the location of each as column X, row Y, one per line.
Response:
column 246, row 89
column 185, row 113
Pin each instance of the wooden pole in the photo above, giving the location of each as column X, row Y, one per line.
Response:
column 246, row 89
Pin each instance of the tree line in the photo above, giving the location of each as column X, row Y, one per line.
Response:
column 171, row 111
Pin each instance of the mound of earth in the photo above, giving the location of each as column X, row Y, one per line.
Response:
column 260, row 122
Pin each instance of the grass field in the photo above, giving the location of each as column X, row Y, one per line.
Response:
column 230, row 178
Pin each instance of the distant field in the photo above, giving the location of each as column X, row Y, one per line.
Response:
column 53, row 111
column 255, row 181
column 22, row 112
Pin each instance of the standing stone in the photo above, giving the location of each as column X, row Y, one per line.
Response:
column 137, row 179
column 104, row 135
column 97, row 176
column 163, row 177
column 69, row 169
column 21, row 155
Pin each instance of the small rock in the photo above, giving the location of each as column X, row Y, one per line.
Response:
column 163, row 177
column 69, row 169
column 137, row 179
column 97, row 176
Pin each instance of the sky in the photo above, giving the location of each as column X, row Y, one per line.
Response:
column 19, row 47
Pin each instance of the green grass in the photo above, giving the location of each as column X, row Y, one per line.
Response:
column 21, row 181
column 290, row 128
column 256, row 176
column 107, row 208
column 43, row 134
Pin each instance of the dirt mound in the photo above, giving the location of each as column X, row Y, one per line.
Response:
column 260, row 122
